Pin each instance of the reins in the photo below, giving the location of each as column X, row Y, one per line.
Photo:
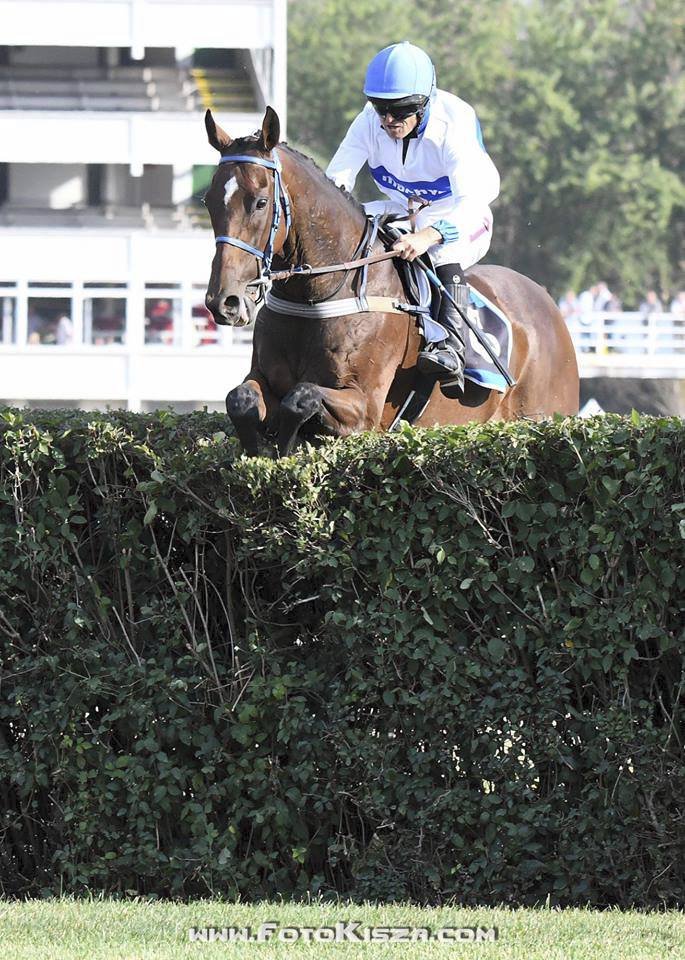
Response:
column 281, row 203
column 346, row 265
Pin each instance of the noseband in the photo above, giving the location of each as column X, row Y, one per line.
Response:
column 281, row 200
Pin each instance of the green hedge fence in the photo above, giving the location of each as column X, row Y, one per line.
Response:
column 439, row 664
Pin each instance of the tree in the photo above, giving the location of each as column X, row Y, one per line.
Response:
column 591, row 188
column 581, row 103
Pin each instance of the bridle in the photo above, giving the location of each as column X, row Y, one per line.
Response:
column 281, row 204
column 361, row 259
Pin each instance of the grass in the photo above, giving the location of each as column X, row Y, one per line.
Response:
column 70, row 929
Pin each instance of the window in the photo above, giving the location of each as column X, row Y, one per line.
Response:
column 49, row 321
column 163, row 320
column 104, row 321
column 205, row 331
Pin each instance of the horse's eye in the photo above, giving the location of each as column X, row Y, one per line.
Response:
column 261, row 203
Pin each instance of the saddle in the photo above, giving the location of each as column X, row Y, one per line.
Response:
column 418, row 291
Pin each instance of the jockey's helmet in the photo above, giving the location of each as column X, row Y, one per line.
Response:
column 399, row 72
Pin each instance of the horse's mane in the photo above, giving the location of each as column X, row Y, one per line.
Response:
column 337, row 193
column 325, row 181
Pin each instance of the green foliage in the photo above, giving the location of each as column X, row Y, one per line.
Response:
column 587, row 135
column 444, row 663
column 581, row 103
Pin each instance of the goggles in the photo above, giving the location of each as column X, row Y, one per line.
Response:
column 398, row 109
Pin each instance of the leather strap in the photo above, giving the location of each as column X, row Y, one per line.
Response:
column 307, row 271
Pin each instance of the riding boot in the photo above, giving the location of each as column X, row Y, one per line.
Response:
column 445, row 358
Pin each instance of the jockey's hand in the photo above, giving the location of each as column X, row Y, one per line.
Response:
column 412, row 245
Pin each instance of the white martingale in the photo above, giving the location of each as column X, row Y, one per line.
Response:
column 230, row 189
column 446, row 164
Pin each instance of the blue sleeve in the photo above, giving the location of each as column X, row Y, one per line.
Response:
column 447, row 230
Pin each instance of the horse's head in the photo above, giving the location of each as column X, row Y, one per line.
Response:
column 245, row 203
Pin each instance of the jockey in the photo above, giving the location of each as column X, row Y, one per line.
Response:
column 423, row 142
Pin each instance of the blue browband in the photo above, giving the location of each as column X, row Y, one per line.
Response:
column 280, row 199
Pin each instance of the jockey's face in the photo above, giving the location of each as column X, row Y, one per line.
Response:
column 399, row 117
column 399, row 129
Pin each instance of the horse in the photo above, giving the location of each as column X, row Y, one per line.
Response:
column 312, row 377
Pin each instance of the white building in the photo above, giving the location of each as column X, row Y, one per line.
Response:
column 104, row 251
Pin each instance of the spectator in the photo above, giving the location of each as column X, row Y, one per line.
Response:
column 604, row 298
column 606, row 302
column 568, row 305
column 65, row 330
column 651, row 304
column 586, row 308
column 678, row 304
column 35, row 327
column 586, row 302
column 159, row 322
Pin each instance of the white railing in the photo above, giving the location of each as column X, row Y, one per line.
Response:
column 127, row 345
column 122, row 377
column 139, row 345
column 630, row 344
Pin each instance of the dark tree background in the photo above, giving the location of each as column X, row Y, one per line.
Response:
column 581, row 104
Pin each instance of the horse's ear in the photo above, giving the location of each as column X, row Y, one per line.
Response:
column 271, row 129
column 218, row 138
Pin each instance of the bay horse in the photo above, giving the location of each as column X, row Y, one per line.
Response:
column 343, row 374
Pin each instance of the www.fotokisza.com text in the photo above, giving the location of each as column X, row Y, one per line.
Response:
column 346, row 931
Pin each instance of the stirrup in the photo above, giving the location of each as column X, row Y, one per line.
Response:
column 445, row 367
column 453, row 388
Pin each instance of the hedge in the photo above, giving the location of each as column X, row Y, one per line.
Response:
column 431, row 665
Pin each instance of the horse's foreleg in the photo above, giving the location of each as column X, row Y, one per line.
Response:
column 329, row 411
column 250, row 405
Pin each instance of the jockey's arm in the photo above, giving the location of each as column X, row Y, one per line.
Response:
column 350, row 156
column 474, row 181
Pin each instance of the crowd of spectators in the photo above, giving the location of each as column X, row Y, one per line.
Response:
column 599, row 309
column 598, row 298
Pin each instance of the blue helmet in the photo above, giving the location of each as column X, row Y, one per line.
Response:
column 400, row 70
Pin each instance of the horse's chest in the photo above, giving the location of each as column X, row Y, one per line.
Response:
column 331, row 352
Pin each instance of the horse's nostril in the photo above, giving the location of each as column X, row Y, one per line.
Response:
column 231, row 305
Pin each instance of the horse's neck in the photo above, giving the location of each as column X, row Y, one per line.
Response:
column 326, row 229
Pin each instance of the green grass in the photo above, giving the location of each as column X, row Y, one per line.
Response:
column 133, row 930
